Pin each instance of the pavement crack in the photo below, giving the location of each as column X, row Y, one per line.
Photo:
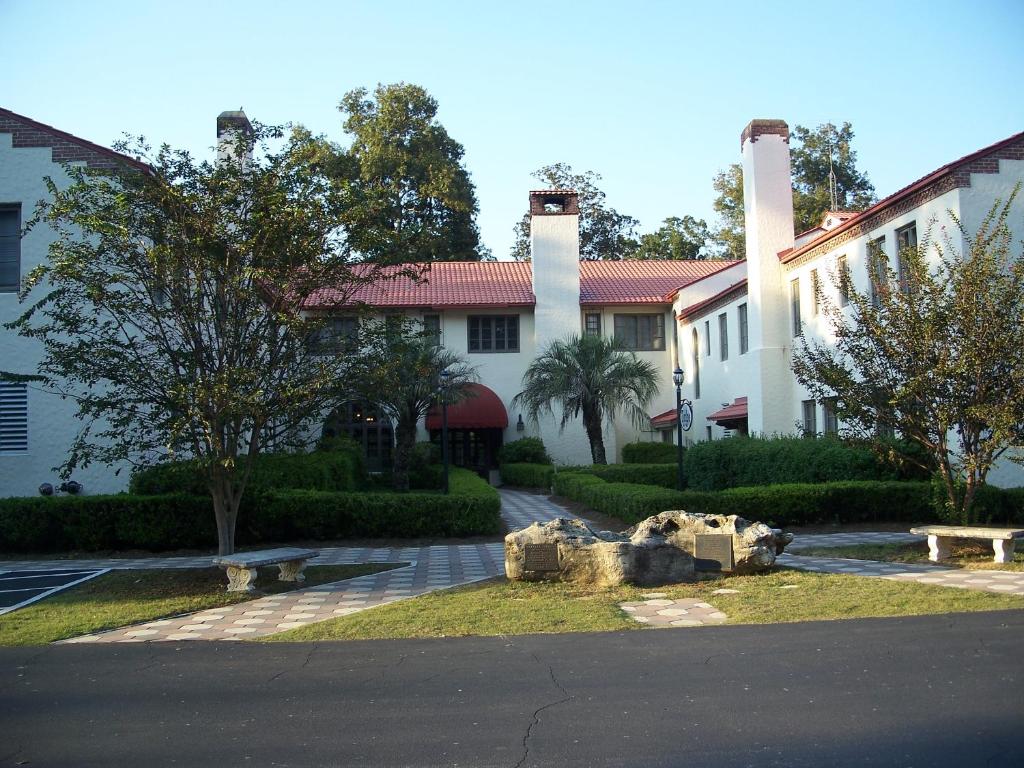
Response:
column 301, row 666
column 535, row 719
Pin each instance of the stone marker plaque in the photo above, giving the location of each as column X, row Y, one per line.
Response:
column 712, row 552
column 541, row 557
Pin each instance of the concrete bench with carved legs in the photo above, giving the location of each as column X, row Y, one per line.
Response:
column 242, row 566
column 940, row 537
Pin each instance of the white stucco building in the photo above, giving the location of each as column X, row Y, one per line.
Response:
column 730, row 325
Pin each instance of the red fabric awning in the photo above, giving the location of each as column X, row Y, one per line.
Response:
column 482, row 409
column 732, row 414
column 666, row 419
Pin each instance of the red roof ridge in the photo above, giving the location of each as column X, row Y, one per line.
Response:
column 84, row 143
column 900, row 194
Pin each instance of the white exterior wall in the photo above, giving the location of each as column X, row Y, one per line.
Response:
column 721, row 381
column 51, row 421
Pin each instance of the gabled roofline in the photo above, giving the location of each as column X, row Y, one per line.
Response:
column 83, row 143
column 925, row 181
column 671, row 295
column 700, row 307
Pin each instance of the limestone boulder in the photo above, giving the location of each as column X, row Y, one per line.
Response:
column 754, row 545
column 599, row 558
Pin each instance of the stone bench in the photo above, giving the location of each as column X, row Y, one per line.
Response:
column 1004, row 540
column 242, row 566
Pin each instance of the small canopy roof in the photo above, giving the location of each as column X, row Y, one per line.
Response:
column 732, row 415
column 663, row 420
column 482, row 409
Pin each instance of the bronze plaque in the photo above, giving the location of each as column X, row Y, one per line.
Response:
column 712, row 551
column 541, row 557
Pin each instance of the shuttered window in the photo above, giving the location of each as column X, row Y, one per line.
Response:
column 13, row 417
column 640, row 332
column 10, row 248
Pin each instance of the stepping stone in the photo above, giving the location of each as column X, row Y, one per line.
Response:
column 654, row 595
column 726, row 592
column 673, row 612
column 659, row 602
column 790, row 586
column 687, row 623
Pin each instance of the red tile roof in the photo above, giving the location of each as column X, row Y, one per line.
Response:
column 510, row 284
column 924, row 181
column 736, row 411
column 641, row 282
column 667, row 418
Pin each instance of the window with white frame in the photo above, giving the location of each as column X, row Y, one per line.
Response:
column 13, row 417
column 794, row 306
column 723, row 336
column 741, row 314
column 592, row 323
column 830, row 424
column 707, row 338
column 432, row 329
column 10, row 248
column 878, row 270
column 338, row 334
column 906, row 240
column 640, row 332
column 816, row 291
column 810, row 414
column 696, row 366
column 493, row 333
column 843, row 276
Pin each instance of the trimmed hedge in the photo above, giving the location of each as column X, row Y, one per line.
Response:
column 65, row 523
column 663, row 475
column 745, row 461
column 333, row 470
column 526, row 450
column 780, row 505
column 527, row 475
column 650, row 453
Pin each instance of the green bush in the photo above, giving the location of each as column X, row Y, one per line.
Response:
column 779, row 505
column 527, row 475
column 664, row 475
column 125, row 521
column 650, row 453
column 471, row 508
column 89, row 523
column 339, row 469
column 526, row 450
column 747, row 461
column 991, row 506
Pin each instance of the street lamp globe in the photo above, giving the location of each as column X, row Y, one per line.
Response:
column 677, row 377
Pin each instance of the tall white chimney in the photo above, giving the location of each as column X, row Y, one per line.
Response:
column 555, row 248
column 768, row 213
column 230, row 126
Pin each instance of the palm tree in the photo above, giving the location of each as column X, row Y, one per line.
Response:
column 405, row 382
column 592, row 376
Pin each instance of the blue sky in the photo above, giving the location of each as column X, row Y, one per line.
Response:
column 651, row 95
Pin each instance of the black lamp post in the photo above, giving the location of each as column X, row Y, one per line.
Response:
column 444, row 425
column 677, row 379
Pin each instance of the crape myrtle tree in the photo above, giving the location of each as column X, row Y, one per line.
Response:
column 592, row 377
column 604, row 232
column 404, row 381
column 934, row 352
column 170, row 308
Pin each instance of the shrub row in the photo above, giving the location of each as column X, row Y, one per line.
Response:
column 173, row 521
column 779, row 505
column 526, row 450
column 334, row 470
column 664, row 475
column 527, row 475
column 650, row 453
column 745, row 461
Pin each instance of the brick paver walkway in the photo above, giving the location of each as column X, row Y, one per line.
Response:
column 444, row 566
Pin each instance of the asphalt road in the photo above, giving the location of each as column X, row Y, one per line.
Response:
column 924, row 691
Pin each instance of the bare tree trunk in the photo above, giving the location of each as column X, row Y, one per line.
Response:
column 592, row 422
column 225, row 510
column 405, row 441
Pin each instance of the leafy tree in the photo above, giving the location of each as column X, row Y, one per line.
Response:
column 405, row 381
column 810, row 163
column 935, row 352
column 589, row 376
column 810, row 167
column 412, row 199
column 677, row 239
column 170, row 308
column 604, row 232
column 730, row 234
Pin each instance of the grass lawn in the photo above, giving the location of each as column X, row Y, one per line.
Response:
column 119, row 598
column 499, row 607
column 976, row 555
